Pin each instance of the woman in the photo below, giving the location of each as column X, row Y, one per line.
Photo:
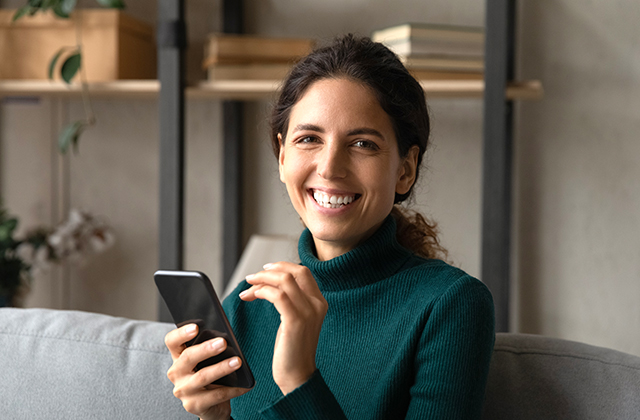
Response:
column 371, row 325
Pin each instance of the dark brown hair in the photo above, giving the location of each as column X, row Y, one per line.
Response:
column 399, row 95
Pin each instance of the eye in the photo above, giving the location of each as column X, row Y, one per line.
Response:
column 366, row 144
column 306, row 140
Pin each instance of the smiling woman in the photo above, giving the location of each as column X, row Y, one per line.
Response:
column 371, row 324
column 341, row 146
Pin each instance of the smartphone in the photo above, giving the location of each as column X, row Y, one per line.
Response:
column 191, row 299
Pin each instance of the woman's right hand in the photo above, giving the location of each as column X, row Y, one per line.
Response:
column 193, row 388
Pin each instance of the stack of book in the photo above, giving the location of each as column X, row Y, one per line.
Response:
column 243, row 57
column 437, row 51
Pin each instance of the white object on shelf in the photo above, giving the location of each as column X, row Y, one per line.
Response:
column 260, row 250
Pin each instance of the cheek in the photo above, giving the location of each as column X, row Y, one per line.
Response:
column 293, row 172
column 384, row 179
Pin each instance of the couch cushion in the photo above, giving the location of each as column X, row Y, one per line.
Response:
column 535, row 377
column 79, row 365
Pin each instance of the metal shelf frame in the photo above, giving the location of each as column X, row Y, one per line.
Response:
column 172, row 43
column 497, row 155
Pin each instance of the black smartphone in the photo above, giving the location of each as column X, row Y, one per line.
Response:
column 191, row 299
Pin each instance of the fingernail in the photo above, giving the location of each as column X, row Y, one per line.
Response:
column 190, row 329
column 250, row 276
column 217, row 344
column 267, row 266
column 234, row 363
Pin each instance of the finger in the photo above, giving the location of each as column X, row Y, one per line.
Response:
column 185, row 365
column 289, row 312
column 193, row 355
column 248, row 295
column 282, row 282
column 209, row 374
column 280, row 279
column 300, row 273
column 175, row 339
column 306, row 291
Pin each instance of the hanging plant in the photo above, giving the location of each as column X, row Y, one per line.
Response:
column 71, row 57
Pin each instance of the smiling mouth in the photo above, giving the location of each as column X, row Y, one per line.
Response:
column 333, row 201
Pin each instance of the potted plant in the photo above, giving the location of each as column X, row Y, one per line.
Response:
column 71, row 59
column 79, row 236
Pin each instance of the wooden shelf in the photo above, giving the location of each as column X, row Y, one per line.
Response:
column 247, row 89
column 122, row 88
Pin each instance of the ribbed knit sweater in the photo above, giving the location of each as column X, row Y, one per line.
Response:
column 404, row 338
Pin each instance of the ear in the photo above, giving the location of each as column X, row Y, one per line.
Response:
column 281, row 158
column 407, row 173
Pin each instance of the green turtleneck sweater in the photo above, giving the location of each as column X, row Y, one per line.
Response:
column 404, row 337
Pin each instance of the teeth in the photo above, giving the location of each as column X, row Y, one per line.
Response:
column 332, row 201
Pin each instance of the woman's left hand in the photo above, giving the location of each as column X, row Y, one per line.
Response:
column 294, row 292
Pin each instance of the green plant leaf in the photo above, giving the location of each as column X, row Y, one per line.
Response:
column 62, row 8
column 70, row 135
column 35, row 3
column 59, row 11
column 25, row 10
column 71, row 66
column 114, row 4
column 54, row 61
column 67, row 6
column 7, row 228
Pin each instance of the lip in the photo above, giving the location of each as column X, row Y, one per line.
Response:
column 330, row 191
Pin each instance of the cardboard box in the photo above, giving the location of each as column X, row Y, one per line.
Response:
column 114, row 46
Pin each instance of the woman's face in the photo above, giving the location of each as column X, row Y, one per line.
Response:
column 341, row 165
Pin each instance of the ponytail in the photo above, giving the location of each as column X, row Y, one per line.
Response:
column 418, row 234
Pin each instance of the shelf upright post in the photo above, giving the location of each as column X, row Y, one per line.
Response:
column 171, row 39
column 497, row 159
column 233, row 128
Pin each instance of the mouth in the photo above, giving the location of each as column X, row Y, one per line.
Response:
column 331, row 201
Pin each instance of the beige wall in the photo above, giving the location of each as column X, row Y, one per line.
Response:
column 577, row 200
column 577, row 172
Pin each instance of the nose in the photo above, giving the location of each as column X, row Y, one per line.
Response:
column 332, row 162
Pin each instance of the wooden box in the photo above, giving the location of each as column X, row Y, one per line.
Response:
column 115, row 46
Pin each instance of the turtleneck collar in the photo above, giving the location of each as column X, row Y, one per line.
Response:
column 375, row 259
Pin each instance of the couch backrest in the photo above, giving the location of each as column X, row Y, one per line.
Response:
column 535, row 377
column 78, row 365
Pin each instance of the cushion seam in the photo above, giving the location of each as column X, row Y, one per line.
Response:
column 121, row 345
column 570, row 356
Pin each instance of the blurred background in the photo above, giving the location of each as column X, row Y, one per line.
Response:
column 576, row 216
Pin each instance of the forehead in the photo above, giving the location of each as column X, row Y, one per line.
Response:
column 340, row 104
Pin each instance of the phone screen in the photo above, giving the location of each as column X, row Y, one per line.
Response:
column 191, row 298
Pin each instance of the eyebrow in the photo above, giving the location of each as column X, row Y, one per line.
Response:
column 366, row 130
column 354, row 132
column 308, row 127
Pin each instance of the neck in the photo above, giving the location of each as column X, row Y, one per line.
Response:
column 328, row 250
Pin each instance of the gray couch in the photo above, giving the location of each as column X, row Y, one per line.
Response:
column 77, row 365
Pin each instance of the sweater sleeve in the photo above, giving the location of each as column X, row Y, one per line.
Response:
column 452, row 361
column 311, row 401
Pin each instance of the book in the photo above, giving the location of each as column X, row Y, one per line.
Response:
column 412, row 39
column 443, row 63
column 410, row 47
column 268, row 71
column 419, row 31
column 245, row 49
column 421, row 74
